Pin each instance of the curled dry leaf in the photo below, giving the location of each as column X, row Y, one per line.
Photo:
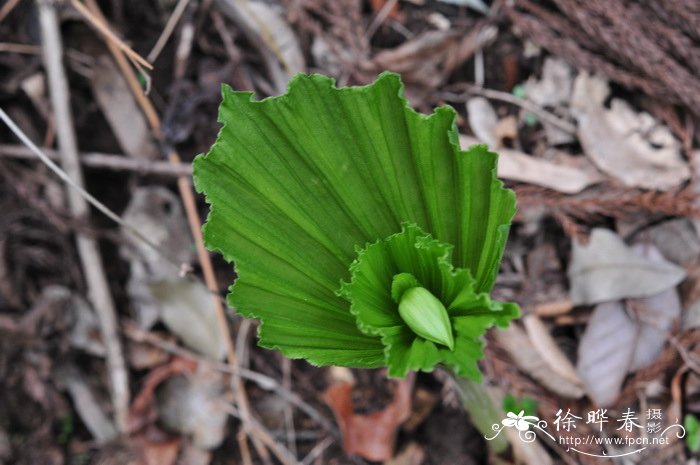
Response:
column 425, row 60
column 373, row 435
column 553, row 91
column 190, row 405
column 155, row 287
column 607, row 270
column 618, row 341
column 548, row 349
column 518, row 166
column 528, row 359
column 625, row 144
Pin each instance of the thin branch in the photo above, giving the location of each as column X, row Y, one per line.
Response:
column 111, row 36
column 281, row 452
column 25, row 49
column 265, row 382
column 188, row 199
column 81, row 192
column 109, row 161
column 167, row 32
column 7, row 9
column 508, row 98
column 93, row 268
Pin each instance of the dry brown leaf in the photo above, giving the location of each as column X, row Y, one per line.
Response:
column 618, row 341
column 606, row 269
column 514, row 341
column 518, row 166
column 553, row 91
column 548, row 349
column 142, row 410
column 428, row 58
column 630, row 146
column 267, row 30
column 121, row 111
column 373, row 435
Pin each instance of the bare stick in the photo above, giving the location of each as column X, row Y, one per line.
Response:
column 131, row 79
column 522, row 103
column 98, row 287
column 188, row 199
column 379, row 19
column 167, row 32
column 7, row 9
column 20, row 48
column 111, row 36
column 265, row 382
column 80, row 191
column 288, row 412
column 281, row 452
column 109, row 161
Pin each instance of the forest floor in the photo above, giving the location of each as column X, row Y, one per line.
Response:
column 594, row 107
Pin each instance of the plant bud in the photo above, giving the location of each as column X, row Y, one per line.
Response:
column 426, row 316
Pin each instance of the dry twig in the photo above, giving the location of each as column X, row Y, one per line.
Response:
column 104, row 161
column 88, row 250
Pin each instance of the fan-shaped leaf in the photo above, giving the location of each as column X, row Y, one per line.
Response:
column 296, row 183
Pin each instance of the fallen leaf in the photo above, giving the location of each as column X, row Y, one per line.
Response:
column 86, row 404
column 528, row 453
column 155, row 286
column 630, row 146
column 617, row 341
column 425, row 60
column 483, row 121
column 548, row 349
column 142, row 355
column 373, row 435
column 691, row 317
column 518, row 166
column 605, row 351
column 85, row 332
column 142, row 411
column 265, row 27
column 677, row 240
column 656, row 315
column 607, row 270
column 157, row 214
column 519, row 346
column 187, row 309
column 553, row 91
column 121, row 111
column 189, row 405
column 554, row 88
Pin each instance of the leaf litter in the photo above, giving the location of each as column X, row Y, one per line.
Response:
column 559, row 180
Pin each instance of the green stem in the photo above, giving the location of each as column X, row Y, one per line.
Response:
column 482, row 410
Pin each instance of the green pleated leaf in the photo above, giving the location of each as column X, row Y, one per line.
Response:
column 297, row 183
column 387, row 270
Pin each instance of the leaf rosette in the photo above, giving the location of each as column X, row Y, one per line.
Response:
column 361, row 234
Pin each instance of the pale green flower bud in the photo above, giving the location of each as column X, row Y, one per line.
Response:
column 426, row 316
